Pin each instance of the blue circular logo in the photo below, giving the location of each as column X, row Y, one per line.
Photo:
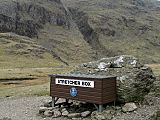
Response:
column 73, row 92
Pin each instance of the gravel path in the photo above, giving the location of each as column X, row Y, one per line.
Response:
column 24, row 108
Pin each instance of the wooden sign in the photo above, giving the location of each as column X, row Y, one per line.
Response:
column 88, row 88
column 74, row 82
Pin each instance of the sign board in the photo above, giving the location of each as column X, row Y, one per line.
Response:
column 87, row 88
column 74, row 82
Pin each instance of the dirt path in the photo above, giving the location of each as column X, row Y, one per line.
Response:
column 25, row 108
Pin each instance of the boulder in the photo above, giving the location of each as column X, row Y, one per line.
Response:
column 76, row 118
column 85, row 114
column 65, row 113
column 56, row 114
column 97, row 116
column 134, row 80
column 129, row 107
column 42, row 110
column 74, row 115
column 155, row 116
column 48, row 113
column 109, row 114
column 48, row 104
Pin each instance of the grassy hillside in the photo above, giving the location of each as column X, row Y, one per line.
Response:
column 22, row 52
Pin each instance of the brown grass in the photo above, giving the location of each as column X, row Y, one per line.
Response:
column 37, row 86
column 155, row 68
column 27, row 81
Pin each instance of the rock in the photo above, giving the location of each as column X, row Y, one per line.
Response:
column 118, row 108
column 86, row 118
column 103, row 65
column 118, row 62
column 65, row 113
column 85, row 114
column 76, row 118
column 129, row 107
column 77, row 103
column 29, row 27
column 56, row 114
column 48, row 113
column 132, row 76
column 48, row 104
column 156, row 87
column 42, row 110
column 97, row 116
column 6, row 118
column 158, row 115
column 108, row 114
column 74, row 115
column 63, row 109
column 100, row 117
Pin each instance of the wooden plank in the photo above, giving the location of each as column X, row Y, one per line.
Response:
column 106, row 83
column 109, row 96
column 105, row 96
column 95, row 94
column 78, row 95
column 83, row 90
column 108, row 100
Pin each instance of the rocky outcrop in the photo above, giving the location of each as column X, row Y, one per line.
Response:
column 134, row 80
column 27, row 18
column 89, row 34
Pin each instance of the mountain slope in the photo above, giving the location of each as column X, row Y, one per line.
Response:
column 120, row 26
column 47, row 22
column 84, row 30
column 19, row 52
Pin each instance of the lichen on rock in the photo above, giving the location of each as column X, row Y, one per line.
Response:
column 134, row 80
